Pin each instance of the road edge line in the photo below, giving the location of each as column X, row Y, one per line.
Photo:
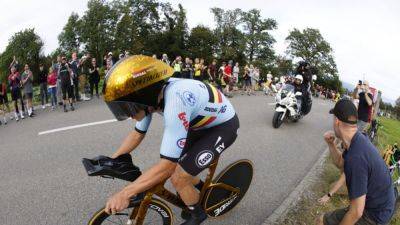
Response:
column 294, row 196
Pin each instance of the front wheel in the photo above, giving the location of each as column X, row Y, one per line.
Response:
column 219, row 200
column 158, row 213
column 277, row 120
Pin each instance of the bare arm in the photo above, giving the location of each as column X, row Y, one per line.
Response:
column 339, row 183
column 355, row 212
column 155, row 175
column 129, row 144
column 336, row 155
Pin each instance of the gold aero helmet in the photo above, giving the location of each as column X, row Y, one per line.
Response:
column 134, row 83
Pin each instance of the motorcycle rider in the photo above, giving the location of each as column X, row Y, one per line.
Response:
column 304, row 69
column 298, row 91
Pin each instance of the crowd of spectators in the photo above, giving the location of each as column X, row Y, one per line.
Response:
column 61, row 84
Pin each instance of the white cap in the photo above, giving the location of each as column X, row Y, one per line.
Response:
column 299, row 77
column 110, row 53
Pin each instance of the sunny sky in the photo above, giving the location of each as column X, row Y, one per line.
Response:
column 364, row 34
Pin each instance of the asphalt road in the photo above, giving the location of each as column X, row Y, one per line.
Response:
column 42, row 180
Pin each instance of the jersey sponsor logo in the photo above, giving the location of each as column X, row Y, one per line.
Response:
column 182, row 117
column 223, row 109
column 204, row 158
column 220, row 148
column 181, row 143
column 189, row 98
column 202, row 86
column 210, row 109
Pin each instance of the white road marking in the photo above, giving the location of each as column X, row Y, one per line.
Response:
column 76, row 126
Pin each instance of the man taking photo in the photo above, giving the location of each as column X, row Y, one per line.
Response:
column 363, row 94
column 368, row 181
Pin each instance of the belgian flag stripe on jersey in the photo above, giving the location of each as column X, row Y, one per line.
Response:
column 215, row 95
column 204, row 121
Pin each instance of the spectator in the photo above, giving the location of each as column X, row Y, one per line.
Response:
column 4, row 98
column 187, row 69
column 52, row 85
column 235, row 73
column 252, row 73
column 66, row 84
column 43, row 86
column 368, row 180
column 14, row 63
column 228, row 78
column 220, row 81
column 197, row 69
column 14, row 81
column 203, row 69
column 4, row 107
column 247, row 80
column 74, row 65
column 57, row 66
column 94, row 78
column 363, row 94
column 85, row 64
column 212, row 71
column 27, row 83
column 165, row 59
column 110, row 57
column 177, row 65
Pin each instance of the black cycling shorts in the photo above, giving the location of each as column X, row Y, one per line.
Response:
column 66, row 88
column 202, row 147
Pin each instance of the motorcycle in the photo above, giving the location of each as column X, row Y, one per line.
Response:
column 286, row 106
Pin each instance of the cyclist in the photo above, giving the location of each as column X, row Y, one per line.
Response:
column 200, row 123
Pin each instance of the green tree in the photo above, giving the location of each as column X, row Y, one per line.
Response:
column 98, row 28
column 26, row 46
column 231, row 43
column 69, row 38
column 201, row 43
column 397, row 108
column 258, row 41
column 284, row 66
column 174, row 34
column 311, row 46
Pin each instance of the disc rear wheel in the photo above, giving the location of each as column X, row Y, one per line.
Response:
column 218, row 200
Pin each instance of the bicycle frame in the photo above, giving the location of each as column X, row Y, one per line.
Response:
column 138, row 213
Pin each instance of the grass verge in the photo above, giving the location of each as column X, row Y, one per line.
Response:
column 308, row 209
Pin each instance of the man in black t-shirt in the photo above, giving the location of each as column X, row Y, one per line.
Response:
column 66, row 84
column 363, row 94
column 368, row 181
column 43, row 85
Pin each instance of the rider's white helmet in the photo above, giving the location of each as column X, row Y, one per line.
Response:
column 299, row 77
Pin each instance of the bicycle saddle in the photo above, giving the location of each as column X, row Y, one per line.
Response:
column 120, row 167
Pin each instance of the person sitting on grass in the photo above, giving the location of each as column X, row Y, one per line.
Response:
column 368, row 180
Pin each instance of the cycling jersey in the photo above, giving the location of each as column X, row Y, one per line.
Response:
column 188, row 105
